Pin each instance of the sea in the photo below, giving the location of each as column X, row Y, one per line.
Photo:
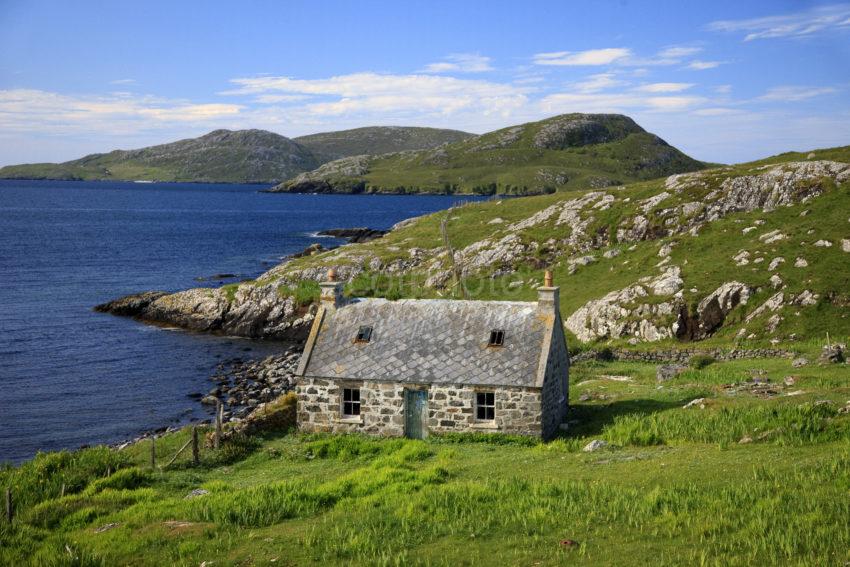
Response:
column 71, row 377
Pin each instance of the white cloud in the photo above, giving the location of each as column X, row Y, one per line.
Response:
column 373, row 93
column 616, row 102
column 664, row 87
column 668, row 56
column 621, row 56
column 678, row 52
column 578, row 58
column 28, row 110
column 277, row 99
column 122, row 82
column 723, row 89
column 698, row 65
column 795, row 93
column 800, row 24
column 717, row 111
column 461, row 63
column 596, row 83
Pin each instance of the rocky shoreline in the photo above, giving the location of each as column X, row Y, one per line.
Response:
column 242, row 385
column 252, row 311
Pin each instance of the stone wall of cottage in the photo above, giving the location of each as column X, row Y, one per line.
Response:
column 451, row 408
column 555, row 393
column 320, row 407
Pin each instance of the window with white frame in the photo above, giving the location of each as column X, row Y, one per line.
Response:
column 350, row 402
column 485, row 406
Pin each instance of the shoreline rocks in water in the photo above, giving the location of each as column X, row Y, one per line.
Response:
column 252, row 311
column 354, row 235
column 243, row 386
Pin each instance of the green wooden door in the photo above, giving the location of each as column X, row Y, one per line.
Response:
column 415, row 414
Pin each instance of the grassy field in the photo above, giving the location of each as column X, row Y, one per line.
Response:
column 758, row 474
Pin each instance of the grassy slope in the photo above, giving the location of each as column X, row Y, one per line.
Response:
column 677, row 488
column 511, row 161
column 706, row 260
column 245, row 156
column 376, row 140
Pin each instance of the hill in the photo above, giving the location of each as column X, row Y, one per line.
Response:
column 242, row 156
column 752, row 254
column 572, row 151
column 374, row 140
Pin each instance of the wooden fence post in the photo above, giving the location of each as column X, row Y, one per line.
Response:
column 196, row 458
column 9, row 511
column 153, row 451
column 219, row 410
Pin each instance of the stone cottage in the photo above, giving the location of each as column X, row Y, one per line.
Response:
column 414, row 367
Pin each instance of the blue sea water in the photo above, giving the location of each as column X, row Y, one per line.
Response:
column 70, row 376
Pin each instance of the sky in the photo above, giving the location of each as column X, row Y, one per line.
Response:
column 723, row 81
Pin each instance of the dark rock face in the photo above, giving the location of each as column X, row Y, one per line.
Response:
column 833, row 354
column 130, row 305
column 357, row 235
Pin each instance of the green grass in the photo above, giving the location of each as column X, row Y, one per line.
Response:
column 303, row 293
column 674, row 487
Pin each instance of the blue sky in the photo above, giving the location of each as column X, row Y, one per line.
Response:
column 723, row 81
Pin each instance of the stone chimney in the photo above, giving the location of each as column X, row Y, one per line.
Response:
column 548, row 296
column 331, row 297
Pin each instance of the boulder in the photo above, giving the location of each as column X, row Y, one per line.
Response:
column 832, row 354
column 595, row 445
column 667, row 372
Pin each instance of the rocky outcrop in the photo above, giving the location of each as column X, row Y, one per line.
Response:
column 130, row 305
column 354, row 235
column 572, row 130
column 711, row 311
column 636, row 312
column 253, row 311
column 633, row 311
column 338, row 176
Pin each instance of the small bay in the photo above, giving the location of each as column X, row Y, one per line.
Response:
column 70, row 376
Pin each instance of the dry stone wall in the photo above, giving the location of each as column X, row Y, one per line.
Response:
column 681, row 355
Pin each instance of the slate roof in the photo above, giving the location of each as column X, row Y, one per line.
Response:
column 431, row 341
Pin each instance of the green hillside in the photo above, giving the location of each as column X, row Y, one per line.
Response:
column 243, row 156
column 776, row 231
column 375, row 140
column 573, row 151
